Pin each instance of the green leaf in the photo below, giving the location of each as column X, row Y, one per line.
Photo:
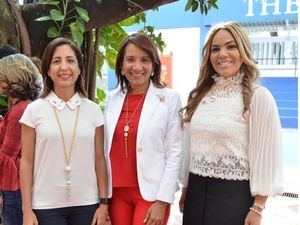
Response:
column 188, row 5
column 110, row 57
column 143, row 17
column 80, row 24
column 56, row 15
column 150, row 29
column 76, row 0
column 3, row 102
column 205, row 9
column 76, row 34
column 195, row 6
column 43, row 18
column 129, row 21
column 47, row 3
column 82, row 13
column 53, row 32
column 202, row 8
column 214, row 5
column 101, row 94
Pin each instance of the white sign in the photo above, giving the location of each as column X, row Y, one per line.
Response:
column 273, row 7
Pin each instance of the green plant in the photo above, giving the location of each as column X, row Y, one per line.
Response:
column 204, row 5
column 67, row 16
column 149, row 30
column 3, row 101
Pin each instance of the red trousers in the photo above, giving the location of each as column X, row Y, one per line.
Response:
column 128, row 207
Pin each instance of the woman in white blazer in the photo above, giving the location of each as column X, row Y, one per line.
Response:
column 143, row 137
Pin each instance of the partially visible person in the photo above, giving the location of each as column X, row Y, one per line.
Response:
column 6, row 50
column 143, row 137
column 19, row 81
column 233, row 151
column 63, row 167
column 38, row 62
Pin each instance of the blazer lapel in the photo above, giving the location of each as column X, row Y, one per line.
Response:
column 151, row 102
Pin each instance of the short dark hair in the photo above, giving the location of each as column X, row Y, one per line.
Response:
column 142, row 41
column 7, row 50
column 46, row 62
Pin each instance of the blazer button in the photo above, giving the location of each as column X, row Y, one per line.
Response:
column 140, row 149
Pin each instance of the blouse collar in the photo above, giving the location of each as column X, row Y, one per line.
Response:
column 237, row 79
column 60, row 104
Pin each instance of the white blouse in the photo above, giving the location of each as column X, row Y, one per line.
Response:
column 49, row 182
column 221, row 142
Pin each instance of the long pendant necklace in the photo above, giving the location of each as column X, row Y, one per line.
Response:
column 127, row 122
column 68, row 154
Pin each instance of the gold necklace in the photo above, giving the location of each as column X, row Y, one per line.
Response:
column 126, row 126
column 68, row 154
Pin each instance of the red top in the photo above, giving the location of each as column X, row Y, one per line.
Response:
column 124, row 170
column 10, row 147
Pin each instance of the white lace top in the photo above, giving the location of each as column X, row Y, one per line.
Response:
column 220, row 142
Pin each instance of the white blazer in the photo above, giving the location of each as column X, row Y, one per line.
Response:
column 159, row 141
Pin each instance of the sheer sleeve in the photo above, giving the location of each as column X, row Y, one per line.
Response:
column 185, row 168
column 265, row 147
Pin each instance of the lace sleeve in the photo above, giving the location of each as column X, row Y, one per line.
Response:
column 265, row 150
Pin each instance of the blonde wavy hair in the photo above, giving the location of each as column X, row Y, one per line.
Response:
column 19, row 77
column 205, row 80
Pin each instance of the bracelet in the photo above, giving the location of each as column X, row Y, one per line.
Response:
column 256, row 211
column 261, row 207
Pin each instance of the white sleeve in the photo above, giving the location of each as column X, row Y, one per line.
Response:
column 265, row 148
column 27, row 117
column 99, row 116
column 173, row 155
column 185, row 168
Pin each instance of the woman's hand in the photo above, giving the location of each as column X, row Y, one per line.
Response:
column 156, row 213
column 101, row 215
column 29, row 217
column 252, row 218
column 182, row 199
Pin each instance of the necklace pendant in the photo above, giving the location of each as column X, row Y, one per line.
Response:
column 69, row 188
column 67, row 169
column 126, row 128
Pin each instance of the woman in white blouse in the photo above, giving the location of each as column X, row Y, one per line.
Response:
column 233, row 156
column 63, row 168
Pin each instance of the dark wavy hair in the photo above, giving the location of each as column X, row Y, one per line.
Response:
column 19, row 77
column 46, row 62
column 142, row 41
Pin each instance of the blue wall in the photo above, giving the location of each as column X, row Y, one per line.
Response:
column 285, row 92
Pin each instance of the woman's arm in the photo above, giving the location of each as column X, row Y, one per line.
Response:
column 101, row 173
column 265, row 152
column 26, row 173
column 255, row 213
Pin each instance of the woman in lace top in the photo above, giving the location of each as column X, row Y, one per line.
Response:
column 232, row 136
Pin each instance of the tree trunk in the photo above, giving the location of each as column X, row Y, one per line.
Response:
column 8, row 28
